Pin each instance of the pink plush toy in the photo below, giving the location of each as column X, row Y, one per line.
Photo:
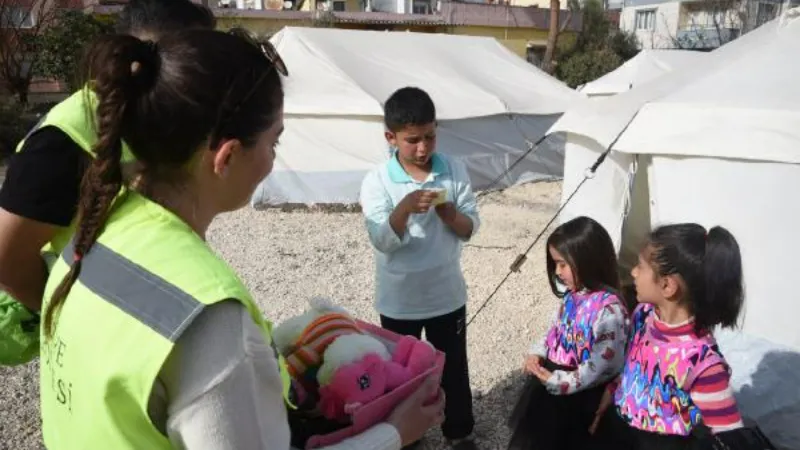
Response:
column 357, row 383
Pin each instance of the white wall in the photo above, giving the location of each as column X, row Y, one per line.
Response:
column 663, row 28
column 392, row 6
column 385, row 5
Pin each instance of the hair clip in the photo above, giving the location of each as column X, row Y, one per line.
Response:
column 266, row 47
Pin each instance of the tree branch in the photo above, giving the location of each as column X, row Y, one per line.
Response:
column 22, row 25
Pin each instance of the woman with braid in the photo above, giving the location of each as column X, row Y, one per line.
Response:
column 149, row 340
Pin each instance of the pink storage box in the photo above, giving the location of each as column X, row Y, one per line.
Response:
column 379, row 409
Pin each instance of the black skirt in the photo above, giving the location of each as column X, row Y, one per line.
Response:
column 614, row 433
column 543, row 421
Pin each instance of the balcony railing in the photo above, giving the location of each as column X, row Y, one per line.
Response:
column 703, row 38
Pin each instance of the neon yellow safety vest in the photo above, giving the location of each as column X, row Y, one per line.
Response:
column 75, row 117
column 19, row 328
column 140, row 287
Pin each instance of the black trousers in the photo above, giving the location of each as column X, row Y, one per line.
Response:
column 448, row 333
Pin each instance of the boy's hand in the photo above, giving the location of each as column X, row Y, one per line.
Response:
column 417, row 202
column 447, row 212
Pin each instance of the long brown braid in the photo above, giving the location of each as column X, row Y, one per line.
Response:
column 114, row 82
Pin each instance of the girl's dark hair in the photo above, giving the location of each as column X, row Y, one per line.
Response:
column 710, row 266
column 589, row 251
column 167, row 101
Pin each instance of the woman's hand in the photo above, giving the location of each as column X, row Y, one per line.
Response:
column 605, row 402
column 416, row 414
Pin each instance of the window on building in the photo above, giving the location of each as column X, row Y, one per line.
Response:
column 766, row 12
column 15, row 17
column 717, row 19
column 421, row 7
column 646, row 19
column 706, row 18
column 339, row 5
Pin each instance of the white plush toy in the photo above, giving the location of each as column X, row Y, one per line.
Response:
column 288, row 332
column 325, row 336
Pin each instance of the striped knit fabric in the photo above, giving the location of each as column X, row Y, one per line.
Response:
column 674, row 378
column 711, row 391
column 316, row 337
column 714, row 398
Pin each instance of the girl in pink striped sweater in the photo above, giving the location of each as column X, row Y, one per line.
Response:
column 675, row 378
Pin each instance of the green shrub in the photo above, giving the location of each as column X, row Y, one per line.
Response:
column 581, row 68
column 597, row 50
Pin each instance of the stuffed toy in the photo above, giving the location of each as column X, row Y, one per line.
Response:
column 287, row 334
column 326, row 351
column 347, row 383
column 304, row 340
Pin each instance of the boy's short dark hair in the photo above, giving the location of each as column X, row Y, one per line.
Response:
column 408, row 106
column 152, row 17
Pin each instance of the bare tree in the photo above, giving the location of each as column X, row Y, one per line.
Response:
column 555, row 31
column 552, row 37
column 22, row 22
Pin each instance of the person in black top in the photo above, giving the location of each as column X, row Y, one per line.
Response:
column 41, row 190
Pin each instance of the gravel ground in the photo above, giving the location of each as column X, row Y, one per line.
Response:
column 285, row 258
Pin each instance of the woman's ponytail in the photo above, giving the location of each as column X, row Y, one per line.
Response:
column 724, row 291
column 120, row 70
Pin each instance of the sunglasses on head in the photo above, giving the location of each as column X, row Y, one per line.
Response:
column 266, row 47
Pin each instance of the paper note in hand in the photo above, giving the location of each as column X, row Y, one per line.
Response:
column 441, row 196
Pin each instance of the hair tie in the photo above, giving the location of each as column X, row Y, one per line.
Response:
column 135, row 67
column 144, row 66
column 77, row 257
column 148, row 55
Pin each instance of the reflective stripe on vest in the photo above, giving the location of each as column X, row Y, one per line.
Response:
column 154, row 302
column 151, row 300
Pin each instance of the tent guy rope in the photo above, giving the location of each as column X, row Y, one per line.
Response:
column 522, row 257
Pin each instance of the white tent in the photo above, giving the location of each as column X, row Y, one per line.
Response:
column 490, row 104
column 647, row 65
column 716, row 143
